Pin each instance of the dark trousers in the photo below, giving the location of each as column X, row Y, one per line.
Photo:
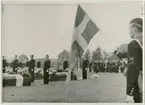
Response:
column 84, row 73
column 137, row 96
column 90, row 69
column 32, row 76
column 4, row 70
column 46, row 77
column 14, row 70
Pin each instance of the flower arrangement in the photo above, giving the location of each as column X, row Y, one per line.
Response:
column 23, row 71
column 52, row 71
column 9, row 70
column 38, row 71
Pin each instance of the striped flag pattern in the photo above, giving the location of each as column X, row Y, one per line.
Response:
column 84, row 31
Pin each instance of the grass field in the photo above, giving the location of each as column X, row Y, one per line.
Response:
column 108, row 88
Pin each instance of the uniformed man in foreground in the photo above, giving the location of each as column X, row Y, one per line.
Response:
column 134, row 54
column 31, row 67
column 47, row 65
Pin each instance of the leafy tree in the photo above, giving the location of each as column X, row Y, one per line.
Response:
column 23, row 58
column 62, row 56
column 97, row 54
column 105, row 55
column 87, row 55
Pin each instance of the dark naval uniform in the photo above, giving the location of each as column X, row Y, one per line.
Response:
column 90, row 66
column 31, row 69
column 15, row 65
column 65, row 65
column 84, row 71
column 134, row 55
column 4, row 65
column 38, row 64
column 47, row 65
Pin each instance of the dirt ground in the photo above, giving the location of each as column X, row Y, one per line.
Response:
column 108, row 88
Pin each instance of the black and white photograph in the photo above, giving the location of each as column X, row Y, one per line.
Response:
column 77, row 52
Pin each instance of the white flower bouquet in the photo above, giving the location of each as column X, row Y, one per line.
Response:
column 9, row 70
column 38, row 71
column 23, row 71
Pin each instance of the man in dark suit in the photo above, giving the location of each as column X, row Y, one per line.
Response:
column 65, row 65
column 84, row 69
column 31, row 67
column 47, row 65
column 4, row 64
column 134, row 54
column 90, row 67
column 38, row 64
column 15, row 64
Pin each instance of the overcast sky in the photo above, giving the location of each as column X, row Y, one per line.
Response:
column 41, row 29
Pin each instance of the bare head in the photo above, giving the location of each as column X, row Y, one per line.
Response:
column 15, row 56
column 32, row 56
column 135, row 28
column 47, row 56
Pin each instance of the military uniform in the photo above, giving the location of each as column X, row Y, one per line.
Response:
column 65, row 65
column 134, row 55
column 4, row 65
column 15, row 65
column 38, row 64
column 90, row 66
column 31, row 69
column 95, row 68
column 84, row 71
column 47, row 64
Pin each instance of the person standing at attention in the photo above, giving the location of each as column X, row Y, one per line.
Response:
column 134, row 70
column 31, row 67
column 47, row 65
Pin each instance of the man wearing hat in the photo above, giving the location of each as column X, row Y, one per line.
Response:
column 84, row 69
column 15, row 64
column 47, row 65
column 4, row 64
column 31, row 67
column 134, row 55
column 65, row 65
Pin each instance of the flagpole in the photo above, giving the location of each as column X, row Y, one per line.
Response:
column 68, row 78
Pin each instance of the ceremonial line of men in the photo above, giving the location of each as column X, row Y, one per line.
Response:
column 31, row 66
column 95, row 66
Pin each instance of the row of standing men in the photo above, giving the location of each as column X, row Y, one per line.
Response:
column 93, row 66
column 31, row 66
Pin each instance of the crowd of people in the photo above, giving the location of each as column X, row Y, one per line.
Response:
column 105, row 67
column 110, row 67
